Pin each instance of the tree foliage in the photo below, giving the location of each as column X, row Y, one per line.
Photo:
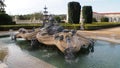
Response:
column 74, row 12
column 94, row 20
column 37, row 16
column 5, row 19
column 87, row 14
column 2, row 5
column 57, row 18
column 104, row 19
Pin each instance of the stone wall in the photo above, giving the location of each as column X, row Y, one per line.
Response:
column 27, row 21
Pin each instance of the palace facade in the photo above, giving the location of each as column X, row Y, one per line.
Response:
column 113, row 17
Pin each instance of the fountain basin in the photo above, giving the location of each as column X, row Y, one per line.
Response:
column 106, row 55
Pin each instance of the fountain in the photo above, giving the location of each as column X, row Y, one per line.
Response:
column 105, row 52
column 51, row 33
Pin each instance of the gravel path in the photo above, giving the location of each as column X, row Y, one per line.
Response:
column 112, row 34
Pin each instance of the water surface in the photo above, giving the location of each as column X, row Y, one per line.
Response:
column 105, row 55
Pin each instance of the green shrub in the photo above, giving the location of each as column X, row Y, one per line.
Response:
column 13, row 23
column 104, row 19
column 93, row 26
column 94, row 20
column 100, row 25
column 17, row 26
column 5, row 19
column 70, row 26
column 58, row 19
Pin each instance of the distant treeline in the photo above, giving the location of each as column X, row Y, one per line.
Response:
column 38, row 16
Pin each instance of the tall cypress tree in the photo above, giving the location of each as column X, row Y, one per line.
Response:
column 74, row 12
column 87, row 14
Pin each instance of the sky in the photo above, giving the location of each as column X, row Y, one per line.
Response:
column 20, row 7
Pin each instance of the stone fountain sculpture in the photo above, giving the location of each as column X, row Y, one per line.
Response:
column 67, row 41
column 26, row 34
column 51, row 33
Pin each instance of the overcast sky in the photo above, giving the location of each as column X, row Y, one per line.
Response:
column 17, row 7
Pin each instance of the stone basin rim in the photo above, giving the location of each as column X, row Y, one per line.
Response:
column 7, row 34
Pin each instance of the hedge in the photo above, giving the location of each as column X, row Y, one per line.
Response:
column 17, row 26
column 101, row 25
column 93, row 26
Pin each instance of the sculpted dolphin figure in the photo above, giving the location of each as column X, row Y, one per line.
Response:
column 26, row 34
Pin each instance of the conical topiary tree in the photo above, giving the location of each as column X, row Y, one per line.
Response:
column 74, row 12
column 87, row 14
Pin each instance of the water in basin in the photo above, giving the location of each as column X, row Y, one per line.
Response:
column 105, row 55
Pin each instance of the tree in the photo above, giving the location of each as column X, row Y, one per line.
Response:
column 104, row 19
column 87, row 14
column 74, row 12
column 94, row 20
column 5, row 19
column 21, row 17
column 2, row 5
column 37, row 16
column 57, row 18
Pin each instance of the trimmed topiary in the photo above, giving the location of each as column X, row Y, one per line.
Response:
column 87, row 14
column 74, row 12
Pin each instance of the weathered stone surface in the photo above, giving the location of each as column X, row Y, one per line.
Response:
column 3, row 53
